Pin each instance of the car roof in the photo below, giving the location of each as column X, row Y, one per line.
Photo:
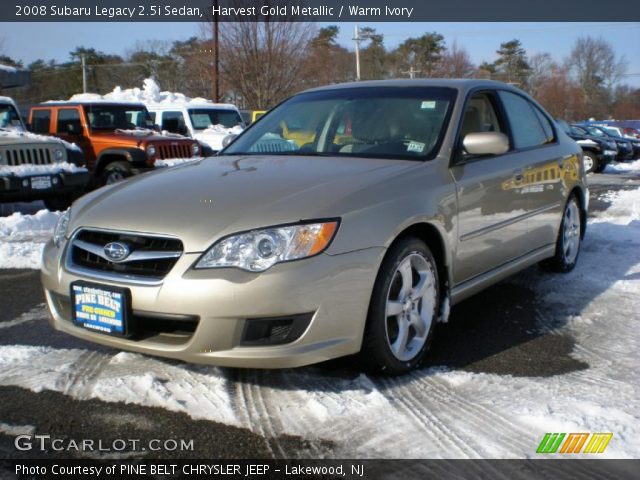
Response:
column 180, row 105
column 462, row 84
column 77, row 103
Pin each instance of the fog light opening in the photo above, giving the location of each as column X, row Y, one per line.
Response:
column 274, row 331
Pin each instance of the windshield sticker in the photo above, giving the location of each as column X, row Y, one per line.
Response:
column 417, row 147
column 428, row 105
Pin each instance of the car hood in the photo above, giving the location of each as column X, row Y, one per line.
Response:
column 133, row 137
column 203, row 201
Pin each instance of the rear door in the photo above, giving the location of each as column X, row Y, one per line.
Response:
column 542, row 185
column 69, row 127
column 492, row 225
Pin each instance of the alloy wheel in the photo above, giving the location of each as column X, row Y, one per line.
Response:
column 410, row 305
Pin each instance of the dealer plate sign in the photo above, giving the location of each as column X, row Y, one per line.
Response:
column 40, row 183
column 100, row 308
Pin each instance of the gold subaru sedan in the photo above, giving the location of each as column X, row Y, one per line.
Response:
column 406, row 197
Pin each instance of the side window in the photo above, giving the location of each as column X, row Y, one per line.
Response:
column 174, row 122
column 480, row 116
column 40, row 121
column 69, row 121
column 525, row 126
column 546, row 125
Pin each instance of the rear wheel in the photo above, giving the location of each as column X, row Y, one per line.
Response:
column 116, row 172
column 569, row 239
column 403, row 309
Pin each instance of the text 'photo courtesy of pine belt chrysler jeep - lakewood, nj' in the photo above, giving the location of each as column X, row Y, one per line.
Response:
column 405, row 197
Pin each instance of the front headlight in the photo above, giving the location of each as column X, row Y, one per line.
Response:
column 258, row 250
column 58, row 154
column 61, row 228
column 195, row 149
column 151, row 150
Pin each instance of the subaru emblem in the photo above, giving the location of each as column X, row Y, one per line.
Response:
column 116, row 251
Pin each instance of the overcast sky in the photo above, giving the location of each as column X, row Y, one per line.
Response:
column 31, row 41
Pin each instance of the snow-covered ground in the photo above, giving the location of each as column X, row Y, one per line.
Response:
column 22, row 238
column 436, row 412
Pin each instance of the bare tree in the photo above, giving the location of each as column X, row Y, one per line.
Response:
column 262, row 61
column 598, row 69
column 542, row 66
column 456, row 62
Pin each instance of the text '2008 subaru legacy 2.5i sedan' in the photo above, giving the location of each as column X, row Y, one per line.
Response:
column 407, row 197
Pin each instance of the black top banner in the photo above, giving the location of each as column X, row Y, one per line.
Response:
column 319, row 10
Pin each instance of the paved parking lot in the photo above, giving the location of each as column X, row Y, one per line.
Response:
column 55, row 384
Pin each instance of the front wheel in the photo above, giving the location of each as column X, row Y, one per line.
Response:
column 116, row 172
column 403, row 309
column 569, row 239
column 590, row 162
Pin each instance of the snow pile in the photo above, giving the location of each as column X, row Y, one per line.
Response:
column 22, row 238
column 10, row 133
column 29, row 170
column 150, row 93
column 221, row 129
column 172, row 162
column 623, row 167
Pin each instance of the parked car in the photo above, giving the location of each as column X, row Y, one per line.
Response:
column 630, row 132
column 33, row 167
column 117, row 139
column 250, row 116
column 309, row 253
column 625, row 148
column 617, row 133
column 209, row 123
column 598, row 152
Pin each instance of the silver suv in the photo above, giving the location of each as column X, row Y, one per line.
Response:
column 397, row 200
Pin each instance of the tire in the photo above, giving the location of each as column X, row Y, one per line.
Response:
column 115, row 172
column 591, row 163
column 401, row 318
column 60, row 203
column 569, row 239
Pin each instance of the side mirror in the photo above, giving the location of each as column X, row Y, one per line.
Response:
column 228, row 139
column 486, row 143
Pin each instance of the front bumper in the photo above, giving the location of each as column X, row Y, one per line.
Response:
column 607, row 157
column 333, row 290
column 21, row 188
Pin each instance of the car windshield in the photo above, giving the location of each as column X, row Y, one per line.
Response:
column 380, row 122
column 118, row 117
column 9, row 117
column 203, row 118
column 595, row 131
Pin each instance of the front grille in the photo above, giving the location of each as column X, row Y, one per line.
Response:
column 151, row 257
column 166, row 151
column 27, row 156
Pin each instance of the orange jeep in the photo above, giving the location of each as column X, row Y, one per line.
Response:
column 117, row 138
